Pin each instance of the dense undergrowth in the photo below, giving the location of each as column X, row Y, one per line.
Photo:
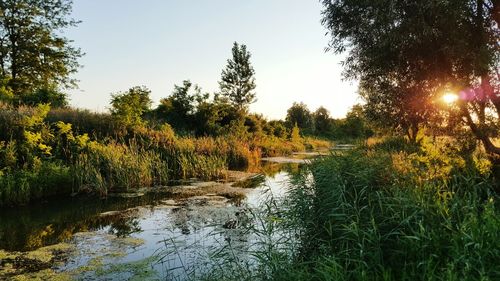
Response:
column 385, row 211
column 47, row 152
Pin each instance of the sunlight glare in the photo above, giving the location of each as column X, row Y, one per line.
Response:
column 450, row 98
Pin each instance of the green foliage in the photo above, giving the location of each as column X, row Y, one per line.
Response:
column 237, row 79
column 321, row 119
column 276, row 128
column 6, row 93
column 46, row 95
column 97, row 125
column 116, row 167
column 369, row 222
column 34, row 52
column 129, row 107
column 298, row 114
column 179, row 108
column 44, row 180
column 406, row 58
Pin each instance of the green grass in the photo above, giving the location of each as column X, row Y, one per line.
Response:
column 21, row 186
column 359, row 216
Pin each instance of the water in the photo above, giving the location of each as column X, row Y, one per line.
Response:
column 151, row 237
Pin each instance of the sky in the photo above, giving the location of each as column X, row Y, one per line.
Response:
column 159, row 43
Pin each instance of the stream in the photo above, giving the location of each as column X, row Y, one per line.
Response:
column 150, row 236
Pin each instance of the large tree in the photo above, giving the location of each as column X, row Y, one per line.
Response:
column 322, row 121
column 34, row 54
column 407, row 53
column 237, row 79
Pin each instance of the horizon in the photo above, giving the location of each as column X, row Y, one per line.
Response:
column 160, row 47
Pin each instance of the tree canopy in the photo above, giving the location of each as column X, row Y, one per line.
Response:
column 33, row 52
column 406, row 54
column 298, row 114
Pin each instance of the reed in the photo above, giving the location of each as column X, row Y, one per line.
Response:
column 356, row 216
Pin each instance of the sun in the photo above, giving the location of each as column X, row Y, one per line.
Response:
column 450, row 98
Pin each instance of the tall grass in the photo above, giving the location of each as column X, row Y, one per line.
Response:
column 95, row 124
column 117, row 167
column 358, row 216
column 368, row 220
column 21, row 186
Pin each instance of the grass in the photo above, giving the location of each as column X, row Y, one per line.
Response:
column 21, row 186
column 379, row 212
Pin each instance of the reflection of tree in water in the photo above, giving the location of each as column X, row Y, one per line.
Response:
column 124, row 227
column 32, row 227
column 271, row 169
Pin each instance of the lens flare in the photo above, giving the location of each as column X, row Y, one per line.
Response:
column 450, row 98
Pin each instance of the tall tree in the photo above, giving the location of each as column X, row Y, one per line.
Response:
column 322, row 121
column 33, row 53
column 407, row 53
column 237, row 79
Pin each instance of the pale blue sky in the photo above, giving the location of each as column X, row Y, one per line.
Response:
column 159, row 43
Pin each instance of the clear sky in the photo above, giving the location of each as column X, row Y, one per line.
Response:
column 159, row 43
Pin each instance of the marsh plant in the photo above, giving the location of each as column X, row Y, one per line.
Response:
column 376, row 214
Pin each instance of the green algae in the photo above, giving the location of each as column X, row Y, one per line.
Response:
column 44, row 275
column 137, row 270
column 34, row 265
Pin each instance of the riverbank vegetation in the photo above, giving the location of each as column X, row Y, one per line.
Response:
column 385, row 211
column 45, row 152
column 421, row 202
column 48, row 148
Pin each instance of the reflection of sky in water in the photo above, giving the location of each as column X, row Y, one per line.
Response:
column 182, row 238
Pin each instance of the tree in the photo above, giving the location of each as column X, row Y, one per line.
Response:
column 45, row 95
column 237, row 79
column 322, row 121
column 33, row 53
column 129, row 107
column 298, row 114
column 179, row 108
column 355, row 125
column 216, row 117
column 407, row 53
column 276, row 128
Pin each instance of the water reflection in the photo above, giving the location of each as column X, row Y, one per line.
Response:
column 30, row 227
column 120, row 233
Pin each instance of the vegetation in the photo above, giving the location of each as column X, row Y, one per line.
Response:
column 418, row 202
column 237, row 79
column 35, row 59
column 427, row 215
column 408, row 58
column 385, row 211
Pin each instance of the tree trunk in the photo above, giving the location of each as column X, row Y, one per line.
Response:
column 480, row 134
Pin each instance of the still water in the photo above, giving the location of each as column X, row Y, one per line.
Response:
column 150, row 237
